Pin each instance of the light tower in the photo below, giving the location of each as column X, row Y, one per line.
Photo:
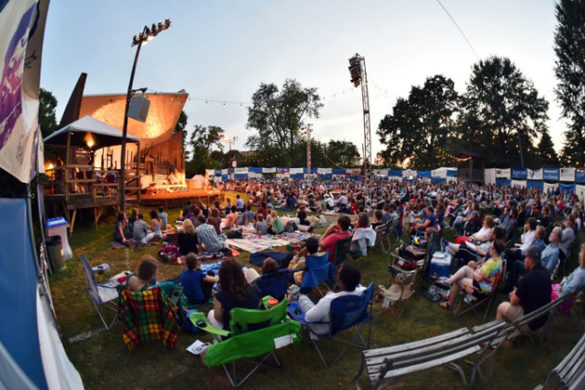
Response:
column 307, row 130
column 357, row 70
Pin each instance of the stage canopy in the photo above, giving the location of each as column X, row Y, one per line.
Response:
column 102, row 134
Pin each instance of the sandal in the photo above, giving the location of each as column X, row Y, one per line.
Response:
column 445, row 305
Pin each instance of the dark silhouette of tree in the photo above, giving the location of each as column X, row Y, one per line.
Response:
column 181, row 126
column 546, row 152
column 417, row 130
column 570, row 72
column 278, row 115
column 505, row 112
column 47, row 115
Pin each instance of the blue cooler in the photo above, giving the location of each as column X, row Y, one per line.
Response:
column 440, row 265
column 188, row 325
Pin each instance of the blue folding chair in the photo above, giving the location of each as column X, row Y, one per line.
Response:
column 274, row 284
column 318, row 271
column 348, row 311
column 102, row 295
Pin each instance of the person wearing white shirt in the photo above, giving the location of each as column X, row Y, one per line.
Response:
column 348, row 278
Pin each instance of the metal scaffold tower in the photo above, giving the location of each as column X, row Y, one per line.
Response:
column 357, row 70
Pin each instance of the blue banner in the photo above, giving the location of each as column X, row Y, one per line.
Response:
column 338, row 171
column 567, row 187
column 255, row 170
column 424, row 173
column 437, row 179
column 519, row 173
column 451, row 172
column 533, row 184
column 551, row 174
column 580, row 175
column 503, row 182
column 395, row 172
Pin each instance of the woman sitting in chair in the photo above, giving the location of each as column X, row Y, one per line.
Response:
column 145, row 278
column 233, row 292
column 472, row 278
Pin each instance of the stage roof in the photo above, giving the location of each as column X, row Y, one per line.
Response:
column 102, row 134
column 165, row 109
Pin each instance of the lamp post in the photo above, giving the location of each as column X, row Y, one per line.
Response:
column 307, row 130
column 146, row 35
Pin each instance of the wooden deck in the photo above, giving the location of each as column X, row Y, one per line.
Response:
column 179, row 198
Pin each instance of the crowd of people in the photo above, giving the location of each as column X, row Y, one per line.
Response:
column 531, row 232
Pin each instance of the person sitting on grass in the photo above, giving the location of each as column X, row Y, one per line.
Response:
column 471, row 278
column 164, row 218
column 196, row 285
column 260, row 225
column 145, row 278
column 122, row 232
column 275, row 226
column 231, row 219
column 140, row 233
column 156, row 224
column 187, row 238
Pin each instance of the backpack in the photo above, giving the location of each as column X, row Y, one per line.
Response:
column 290, row 227
column 169, row 254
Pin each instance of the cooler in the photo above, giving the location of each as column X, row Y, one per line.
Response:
column 58, row 227
column 440, row 265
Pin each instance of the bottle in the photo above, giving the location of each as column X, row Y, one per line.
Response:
column 272, row 302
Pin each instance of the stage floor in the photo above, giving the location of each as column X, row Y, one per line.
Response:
column 179, row 198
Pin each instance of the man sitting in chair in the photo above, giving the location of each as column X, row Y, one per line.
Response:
column 348, row 278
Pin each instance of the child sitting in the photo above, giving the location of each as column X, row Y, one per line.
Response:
column 297, row 263
column 260, row 226
column 196, row 285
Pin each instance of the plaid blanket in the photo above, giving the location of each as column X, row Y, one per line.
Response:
column 148, row 315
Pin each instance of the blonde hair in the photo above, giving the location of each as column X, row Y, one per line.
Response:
column 489, row 221
column 188, row 227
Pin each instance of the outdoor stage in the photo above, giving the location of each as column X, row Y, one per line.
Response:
column 179, row 197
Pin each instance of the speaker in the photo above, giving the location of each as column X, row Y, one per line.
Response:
column 139, row 107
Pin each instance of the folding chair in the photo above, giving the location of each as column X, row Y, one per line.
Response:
column 253, row 337
column 347, row 311
column 274, row 284
column 148, row 315
column 478, row 297
column 101, row 295
column 342, row 250
column 401, row 288
column 319, row 270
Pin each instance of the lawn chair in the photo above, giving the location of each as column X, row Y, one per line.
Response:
column 422, row 264
column 274, row 284
column 342, row 250
column 400, row 290
column 253, row 334
column 381, row 234
column 348, row 311
column 478, row 297
column 101, row 295
column 148, row 315
column 319, row 270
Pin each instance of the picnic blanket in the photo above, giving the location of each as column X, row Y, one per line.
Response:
column 254, row 243
column 295, row 237
column 212, row 266
column 147, row 315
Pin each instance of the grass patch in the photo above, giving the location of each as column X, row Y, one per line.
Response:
column 105, row 363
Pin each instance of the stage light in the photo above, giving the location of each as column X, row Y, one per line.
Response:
column 167, row 23
column 154, row 29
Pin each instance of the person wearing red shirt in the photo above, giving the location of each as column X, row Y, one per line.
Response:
column 333, row 234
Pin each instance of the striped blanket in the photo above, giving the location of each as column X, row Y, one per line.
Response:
column 148, row 315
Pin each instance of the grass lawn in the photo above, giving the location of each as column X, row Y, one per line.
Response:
column 104, row 362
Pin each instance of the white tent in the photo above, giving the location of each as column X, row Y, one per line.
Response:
column 31, row 353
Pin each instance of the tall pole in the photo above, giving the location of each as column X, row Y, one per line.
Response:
column 145, row 35
column 125, row 129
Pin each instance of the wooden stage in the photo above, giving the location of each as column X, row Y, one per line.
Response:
column 179, row 198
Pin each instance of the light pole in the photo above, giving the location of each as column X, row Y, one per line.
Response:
column 146, row 35
column 307, row 130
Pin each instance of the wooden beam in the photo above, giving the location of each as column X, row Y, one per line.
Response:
column 67, row 162
column 72, row 224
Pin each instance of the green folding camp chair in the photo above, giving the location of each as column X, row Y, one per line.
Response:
column 254, row 336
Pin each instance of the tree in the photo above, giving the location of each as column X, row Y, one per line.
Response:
column 47, row 115
column 342, row 154
column 419, row 126
column 181, row 126
column 507, row 110
column 570, row 72
column 202, row 140
column 547, row 155
column 278, row 116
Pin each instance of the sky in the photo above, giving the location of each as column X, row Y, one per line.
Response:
column 223, row 50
